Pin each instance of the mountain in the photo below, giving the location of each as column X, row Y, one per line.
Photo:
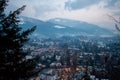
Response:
column 62, row 27
column 82, row 26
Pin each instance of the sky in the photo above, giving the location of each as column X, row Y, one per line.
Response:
column 91, row 11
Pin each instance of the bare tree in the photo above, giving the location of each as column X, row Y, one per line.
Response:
column 117, row 22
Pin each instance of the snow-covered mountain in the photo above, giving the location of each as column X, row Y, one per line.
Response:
column 63, row 27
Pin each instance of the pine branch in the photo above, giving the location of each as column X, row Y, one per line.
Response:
column 29, row 31
column 14, row 14
column 3, row 4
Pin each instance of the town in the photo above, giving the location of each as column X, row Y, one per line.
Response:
column 76, row 58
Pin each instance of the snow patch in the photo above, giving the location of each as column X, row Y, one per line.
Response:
column 58, row 26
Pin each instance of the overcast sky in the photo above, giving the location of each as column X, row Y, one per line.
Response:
column 92, row 11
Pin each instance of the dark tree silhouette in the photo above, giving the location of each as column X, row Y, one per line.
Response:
column 117, row 22
column 13, row 62
column 114, row 69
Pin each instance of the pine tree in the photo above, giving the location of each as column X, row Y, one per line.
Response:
column 13, row 62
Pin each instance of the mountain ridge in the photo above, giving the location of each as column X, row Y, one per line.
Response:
column 63, row 27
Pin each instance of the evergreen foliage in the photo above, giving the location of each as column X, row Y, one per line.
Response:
column 13, row 62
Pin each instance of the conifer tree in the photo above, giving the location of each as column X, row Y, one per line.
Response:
column 13, row 62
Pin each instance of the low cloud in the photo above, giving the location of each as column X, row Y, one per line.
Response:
column 37, row 8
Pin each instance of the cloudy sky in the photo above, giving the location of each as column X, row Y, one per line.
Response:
column 92, row 11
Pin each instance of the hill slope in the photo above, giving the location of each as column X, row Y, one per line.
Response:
column 62, row 27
